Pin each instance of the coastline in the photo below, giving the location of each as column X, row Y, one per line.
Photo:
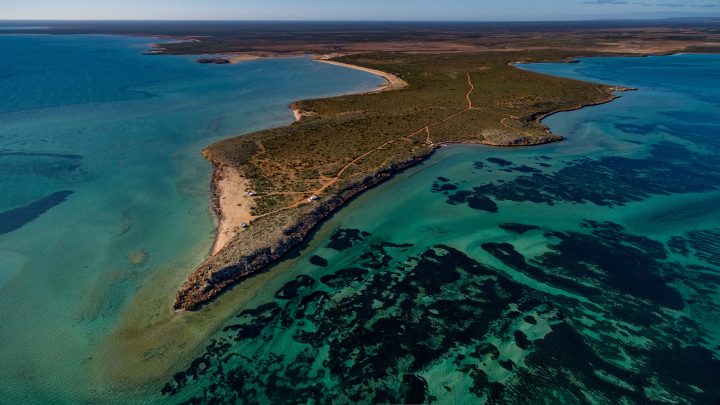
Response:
column 230, row 202
column 614, row 97
column 269, row 238
column 393, row 82
column 211, row 278
column 224, row 194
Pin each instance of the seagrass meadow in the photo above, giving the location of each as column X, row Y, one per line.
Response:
column 582, row 271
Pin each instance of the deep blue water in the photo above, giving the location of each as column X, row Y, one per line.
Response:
column 105, row 195
column 586, row 271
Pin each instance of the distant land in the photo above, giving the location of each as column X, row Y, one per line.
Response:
column 447, row 83
column 294, row 37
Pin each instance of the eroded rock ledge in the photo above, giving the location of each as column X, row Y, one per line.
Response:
column 341, row 146
column 257, row 250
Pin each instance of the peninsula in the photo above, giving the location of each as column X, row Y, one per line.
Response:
column 282, row 182
column 447, row 83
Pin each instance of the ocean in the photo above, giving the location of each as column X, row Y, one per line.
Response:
column 105, row 193
column 581, row 271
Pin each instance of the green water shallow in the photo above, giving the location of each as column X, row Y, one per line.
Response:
column 579, row 272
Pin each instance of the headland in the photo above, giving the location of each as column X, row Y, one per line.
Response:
column 292, row 178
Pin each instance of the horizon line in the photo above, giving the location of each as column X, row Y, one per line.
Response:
column 713, row 17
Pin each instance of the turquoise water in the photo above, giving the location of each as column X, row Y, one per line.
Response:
column 586, row 271
column 582, row 271
column 104, row 190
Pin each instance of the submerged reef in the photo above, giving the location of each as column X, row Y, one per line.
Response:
column 600, row 322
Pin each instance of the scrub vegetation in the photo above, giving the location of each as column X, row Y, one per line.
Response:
column 469, row 98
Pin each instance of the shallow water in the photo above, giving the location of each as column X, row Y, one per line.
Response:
column 105, row 193
column 582, row 271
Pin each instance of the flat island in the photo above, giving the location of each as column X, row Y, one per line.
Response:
column 272, row 187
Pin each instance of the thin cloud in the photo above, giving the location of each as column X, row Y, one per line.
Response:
column 606, row 2
column 677, row 4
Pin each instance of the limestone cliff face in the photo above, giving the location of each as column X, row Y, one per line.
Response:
column 268, row 239
column 507, row 138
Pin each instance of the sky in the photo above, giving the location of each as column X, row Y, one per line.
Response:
column 418, row 10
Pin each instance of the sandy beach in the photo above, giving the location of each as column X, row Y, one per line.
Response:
column 393, row 82
column 231, row 204
column 242, row 57
column 296, row 111
column 231, row 201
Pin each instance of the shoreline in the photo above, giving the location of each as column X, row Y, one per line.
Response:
column 231, row 58
column 392, row 81
column 227, row 229
column 261, row 249
column 229, row 200
column 233, row 208
column 614, row 97
column 188, row 298
column 230, row 203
